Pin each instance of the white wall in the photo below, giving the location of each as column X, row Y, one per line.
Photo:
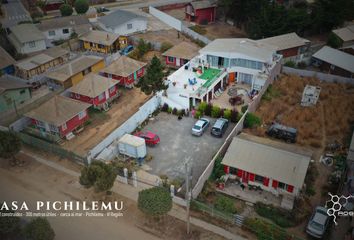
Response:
column 138, row 25
column 169, row 20
column 58, row 34
column 127, row 127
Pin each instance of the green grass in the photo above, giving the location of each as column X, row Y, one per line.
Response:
column 271, row 93
column 209, row 75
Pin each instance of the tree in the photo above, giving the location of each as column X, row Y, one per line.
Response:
column 155, row 201
column 81, row 6
column 66, row 10
column 153, row 82
column 10, row 145
column 8, row 225
column 334, row 41
column 99, row 175
column 39, row 229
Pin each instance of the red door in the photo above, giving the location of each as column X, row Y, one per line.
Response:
column 245, row 177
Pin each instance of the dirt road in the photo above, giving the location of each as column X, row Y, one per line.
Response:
column 26, row 184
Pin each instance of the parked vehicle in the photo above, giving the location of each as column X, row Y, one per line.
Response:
column 150, row 137
column 126, row 50
column 200, row 126
column 282, row 132
column 219, row 127
column 318, row 223
column 132, row 146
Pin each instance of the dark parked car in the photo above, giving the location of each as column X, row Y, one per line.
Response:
column 219, row 127
column 318, row 223
column 282, row 132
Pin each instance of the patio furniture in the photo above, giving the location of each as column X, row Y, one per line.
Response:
column 232, row 92
column 236, row 100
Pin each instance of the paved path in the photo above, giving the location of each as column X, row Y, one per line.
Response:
column 132, row 193
column 14, row 12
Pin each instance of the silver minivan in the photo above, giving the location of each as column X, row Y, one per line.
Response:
column 219, row 127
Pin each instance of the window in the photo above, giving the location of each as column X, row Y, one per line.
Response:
column 239, row 62
column 100, row 97
column 129, row 26
column 282, row 185
column 32, row 44
column 53, row 128
column 65, row 30
column 82, row 115
column 112, row 89
column 233, row 171
column 51, row 33
column 259, row 179
column 64, row 127
column 170, row 59
column 22, row 91
column 40, row 124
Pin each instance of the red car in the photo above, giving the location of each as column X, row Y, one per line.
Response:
column 150, row 137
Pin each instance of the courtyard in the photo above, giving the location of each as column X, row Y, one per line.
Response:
column 178, row 146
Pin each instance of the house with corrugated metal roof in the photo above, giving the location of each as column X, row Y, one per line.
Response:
column 123, row 22
column 13, row 93
column 26, row 38
column 271, row 166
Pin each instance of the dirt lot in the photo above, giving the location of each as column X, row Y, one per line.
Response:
column 170, row 36
column 179, row 146
column 103, row 124
column 331, row 119
column 223, row 30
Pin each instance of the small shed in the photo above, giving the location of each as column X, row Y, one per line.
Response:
column 310, row 95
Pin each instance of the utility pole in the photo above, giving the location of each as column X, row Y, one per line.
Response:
column 188, row 196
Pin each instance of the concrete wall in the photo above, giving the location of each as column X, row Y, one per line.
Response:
column 322, row 76
column 127, row 127
column 58, row 33
column 176, row 24
column 27, row 48
column 169, row 20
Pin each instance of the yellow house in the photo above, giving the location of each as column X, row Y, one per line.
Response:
column 103, row 42
column 73, row 72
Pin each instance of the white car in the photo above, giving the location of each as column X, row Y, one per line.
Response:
column 200, row 126
column 318, row 223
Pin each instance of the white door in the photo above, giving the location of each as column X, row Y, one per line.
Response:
column 178, row 62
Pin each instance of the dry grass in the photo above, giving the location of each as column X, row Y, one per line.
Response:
column 333, row 115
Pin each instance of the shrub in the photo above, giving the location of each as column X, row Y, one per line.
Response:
column 234, row 116
column 215, row 112
column 155, row 201
column 39, row 229
column 165, row 46
column 225, row 204
column 302, row 65
column 270, row 93
column 264, row 229
column 164, row 107
column 334, row 41
column 291, row 64
column 218, row 169
column 198, row 114
column 174, row 111
column 310, row 191
column 202, row 106
column 208, row 109
column 66, row 10
column 244, row 108
column 199, row 29
column 134, row 54
column 169, row 110
column 252, row 120
column 227, row 114
column 143, row 47
column 281, row 217
column 183, row 112
column 81, row 6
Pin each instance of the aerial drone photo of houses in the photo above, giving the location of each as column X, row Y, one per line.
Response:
column 177, row 119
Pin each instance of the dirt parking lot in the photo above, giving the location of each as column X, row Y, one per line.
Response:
column 102, row 124
column 179, row 146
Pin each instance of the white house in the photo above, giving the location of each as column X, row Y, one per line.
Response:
column 123, row 22
column 220, row 63
column 26, row 38
column 61, row 28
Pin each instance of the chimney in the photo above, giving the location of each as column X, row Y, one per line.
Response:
column 107, row 37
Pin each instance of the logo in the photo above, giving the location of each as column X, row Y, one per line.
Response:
column 337, row 205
